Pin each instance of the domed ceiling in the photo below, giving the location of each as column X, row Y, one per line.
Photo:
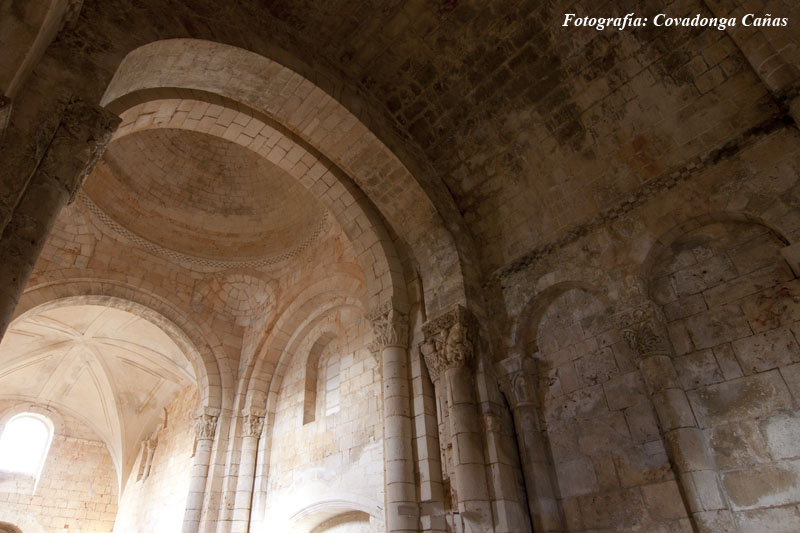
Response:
column 203, row 196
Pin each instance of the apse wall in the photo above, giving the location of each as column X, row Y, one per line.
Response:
column 77, row 489
column 333, row 463
column 155, row 495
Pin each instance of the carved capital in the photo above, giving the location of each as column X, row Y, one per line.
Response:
column 518, row 384
column 390, row 327
column 252, row 424
column 81, row 137
column 205, row 424
column 449, row 341
column 644, row 329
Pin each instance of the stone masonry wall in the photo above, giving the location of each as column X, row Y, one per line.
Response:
column 338, row 455
column 610, row 462
column 77, row 489
column 732, row 305
column 157, row 501
column 699, row 246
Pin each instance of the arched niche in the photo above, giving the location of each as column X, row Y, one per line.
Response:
column 729, row 299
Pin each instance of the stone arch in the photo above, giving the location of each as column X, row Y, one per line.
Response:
column 682, row 223
column 209, row 113
column 258, row 373
column 318, row 119
column 311, row 516
column 52, row 414
column 549, row 288
column 198, row 344
column 594, row 413
column 350, row 519
column 727, row 298
column 304, row 325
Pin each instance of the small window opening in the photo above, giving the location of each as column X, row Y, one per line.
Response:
column 314, row 373
column 24, row 444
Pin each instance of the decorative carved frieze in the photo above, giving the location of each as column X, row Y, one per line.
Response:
column 390, row 327
column 449, row 341
column 205, row 424
column 79, row 141
column 644, row 329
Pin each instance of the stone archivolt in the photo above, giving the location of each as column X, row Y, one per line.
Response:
column 521, row 193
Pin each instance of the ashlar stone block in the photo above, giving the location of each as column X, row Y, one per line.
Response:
column 772, row 349
column 764, row 486
column 748, row 397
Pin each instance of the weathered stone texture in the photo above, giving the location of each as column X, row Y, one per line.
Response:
column 744, row 339
column 617, row 213
column 600, row 425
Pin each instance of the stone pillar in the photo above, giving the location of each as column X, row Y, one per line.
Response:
column 428, row 453
column 205, row 426
column 79, row 140
column 449, row 352
column 644, row 329
column 517, row 378
column 391, row 341
column 252, row 426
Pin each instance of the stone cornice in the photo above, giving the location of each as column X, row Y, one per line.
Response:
column 641, row 196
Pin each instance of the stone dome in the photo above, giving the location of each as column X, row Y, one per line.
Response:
column 203, row 196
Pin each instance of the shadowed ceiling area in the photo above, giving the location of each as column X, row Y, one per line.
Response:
column 203, row 196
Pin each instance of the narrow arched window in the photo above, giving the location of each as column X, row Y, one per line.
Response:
column 24, row 444
column 313, row 376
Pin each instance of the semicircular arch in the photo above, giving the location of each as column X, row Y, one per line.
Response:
column 197, row 343
column 321, row 121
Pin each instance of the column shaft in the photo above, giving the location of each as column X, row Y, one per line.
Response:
column 686, row 446
column 79, row 140
column 402, row 510
column 645, row 331
column 536, row 469
column 469, row 483
column 244, row 484
column 197, row 486
column 205, row 428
